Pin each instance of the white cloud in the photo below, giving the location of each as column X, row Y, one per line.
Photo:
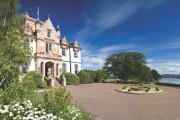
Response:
column 107, row 17
column 150, row 60
column 95, row 58
column 109, row 14
column 166, row 66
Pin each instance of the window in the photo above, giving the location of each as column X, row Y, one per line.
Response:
column 48, row 33
column 76, row 68
column 75, row 54
column 63, row 51
column 64, row 68
column 48, row 47
column 24, row 68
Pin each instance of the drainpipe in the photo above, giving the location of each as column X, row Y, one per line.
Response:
column 70, row 58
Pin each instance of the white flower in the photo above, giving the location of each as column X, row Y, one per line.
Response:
column 10, row 114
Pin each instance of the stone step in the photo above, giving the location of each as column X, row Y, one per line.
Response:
column 56, row 83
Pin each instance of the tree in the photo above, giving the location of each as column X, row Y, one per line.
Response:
column 14, row 44
column 156, row 76
column 8, row 14
column 143, row 74
column 124, row 65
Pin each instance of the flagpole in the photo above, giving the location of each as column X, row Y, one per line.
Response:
column 38, row 13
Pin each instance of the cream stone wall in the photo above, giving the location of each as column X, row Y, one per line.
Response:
column 55, row 49
column 39, row 29
column 40, row 46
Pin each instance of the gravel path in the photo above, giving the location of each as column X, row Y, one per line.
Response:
column 103, row 101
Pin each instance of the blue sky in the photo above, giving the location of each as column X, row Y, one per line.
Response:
column 104, row 27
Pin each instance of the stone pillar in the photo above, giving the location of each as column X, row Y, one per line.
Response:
column 54, row 69
column 64, row 81
column 44, row 69
column 57, row 69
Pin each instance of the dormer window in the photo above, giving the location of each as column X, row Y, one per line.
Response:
column 63, row 51
column 75, row 54
column 48, row 33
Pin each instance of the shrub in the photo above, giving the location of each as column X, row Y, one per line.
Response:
column 72, row 79
column 36, row 77
column 17, row 92
column 100, row 76
column 124, row 87
column 92, row 74
column 156, row 88
column 59, row 102
column 84, row 77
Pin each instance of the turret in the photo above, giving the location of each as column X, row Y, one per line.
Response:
column 75, row 44
column 64, row 42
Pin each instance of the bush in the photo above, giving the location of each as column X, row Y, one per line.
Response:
column 59, row 102
column 156, row 88
column 84, row 77
column 101, row 75
column 36, row 77
column 17, row 92
column 71, row 79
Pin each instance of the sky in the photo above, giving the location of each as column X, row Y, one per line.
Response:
column 104, row 27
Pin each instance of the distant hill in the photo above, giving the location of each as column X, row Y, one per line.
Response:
column 170, row 75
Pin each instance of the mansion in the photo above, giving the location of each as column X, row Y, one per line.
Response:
column 51, row 52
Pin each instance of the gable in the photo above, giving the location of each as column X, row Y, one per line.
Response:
column 47, row 25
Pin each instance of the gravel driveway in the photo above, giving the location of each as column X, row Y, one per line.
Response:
column 103, row 101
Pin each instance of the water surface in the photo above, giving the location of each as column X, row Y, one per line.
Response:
column 170, row 80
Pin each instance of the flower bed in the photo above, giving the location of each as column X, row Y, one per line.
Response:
column 140, row 89
column 24, row 111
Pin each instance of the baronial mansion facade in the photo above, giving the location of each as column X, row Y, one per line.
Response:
column 51, row 52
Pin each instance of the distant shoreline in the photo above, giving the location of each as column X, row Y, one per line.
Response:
column 169, row 81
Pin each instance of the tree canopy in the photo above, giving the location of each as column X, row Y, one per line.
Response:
column 14, row 44
column 129, row 65
column 124, row 65
column 156, row 76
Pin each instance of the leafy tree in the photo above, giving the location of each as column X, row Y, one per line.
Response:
column 8, row 14
column 14, row 45
column 143, row 74
column 156, row 76
column 124, row 65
